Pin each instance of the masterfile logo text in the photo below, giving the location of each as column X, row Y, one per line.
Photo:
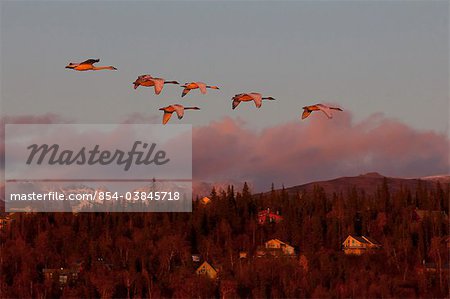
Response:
column 118, row 167
column 52, row 155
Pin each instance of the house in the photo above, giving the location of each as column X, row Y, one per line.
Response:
column 358, row 245
column 266, row 216
column 208, row 270
column 205, row 200
column 275, row 248
column 61, row 276
column 419, row 215
column 243, row 254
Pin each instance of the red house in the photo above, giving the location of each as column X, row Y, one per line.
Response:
column 266, row 216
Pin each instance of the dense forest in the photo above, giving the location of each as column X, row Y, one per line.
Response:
column 149, row 255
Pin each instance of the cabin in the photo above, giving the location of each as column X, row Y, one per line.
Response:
column 61, row 276
column 205, row 200
column 243, row 254
column 266, row 216
column 275, row 248
column 207, row 270
column 357, row 245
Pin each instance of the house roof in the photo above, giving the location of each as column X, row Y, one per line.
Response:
column 371, row 240
column 208, row 265
column 205, row 200
column 359, row 239
column 278, row 241
column 363, row 239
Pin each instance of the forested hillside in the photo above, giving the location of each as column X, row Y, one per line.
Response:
column 136, row 255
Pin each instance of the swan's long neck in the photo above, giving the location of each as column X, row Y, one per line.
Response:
column 96, row 68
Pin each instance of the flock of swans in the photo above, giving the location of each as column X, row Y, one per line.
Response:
column 158, row 84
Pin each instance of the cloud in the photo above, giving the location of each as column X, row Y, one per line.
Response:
column 297, row 152
column 49, row 118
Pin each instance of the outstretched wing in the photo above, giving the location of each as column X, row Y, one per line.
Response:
column 159, row 84
column 257, row 98
column 141, row 79
column 90, row 61
column 236, row 103
column 202, row 87
column 305, row 113
column 144, row 78
column 185, row 91
column 166, row 117
column 326, row 110
column 179, row 110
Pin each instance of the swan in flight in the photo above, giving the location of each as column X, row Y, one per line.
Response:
column 319, row 107
column 194, row 85
column 88, row 65
column 147, row 80
column 252, row 96
column 179, row 109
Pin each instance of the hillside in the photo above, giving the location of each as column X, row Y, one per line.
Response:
column 369, row 183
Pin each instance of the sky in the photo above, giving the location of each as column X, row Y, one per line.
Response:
column 382, row 62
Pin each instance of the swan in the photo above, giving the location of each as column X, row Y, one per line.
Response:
column 252, row 96
column 319, row 107
column 88, row 65
column 179, row 109
column 194, row 85
column 147, row 80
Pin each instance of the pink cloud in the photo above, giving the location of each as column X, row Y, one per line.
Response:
column 297, row 152
column 49, row 118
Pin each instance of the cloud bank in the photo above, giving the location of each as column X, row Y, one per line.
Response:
column 298, row 152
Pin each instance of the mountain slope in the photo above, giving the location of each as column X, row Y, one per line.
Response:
column 369, row 183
